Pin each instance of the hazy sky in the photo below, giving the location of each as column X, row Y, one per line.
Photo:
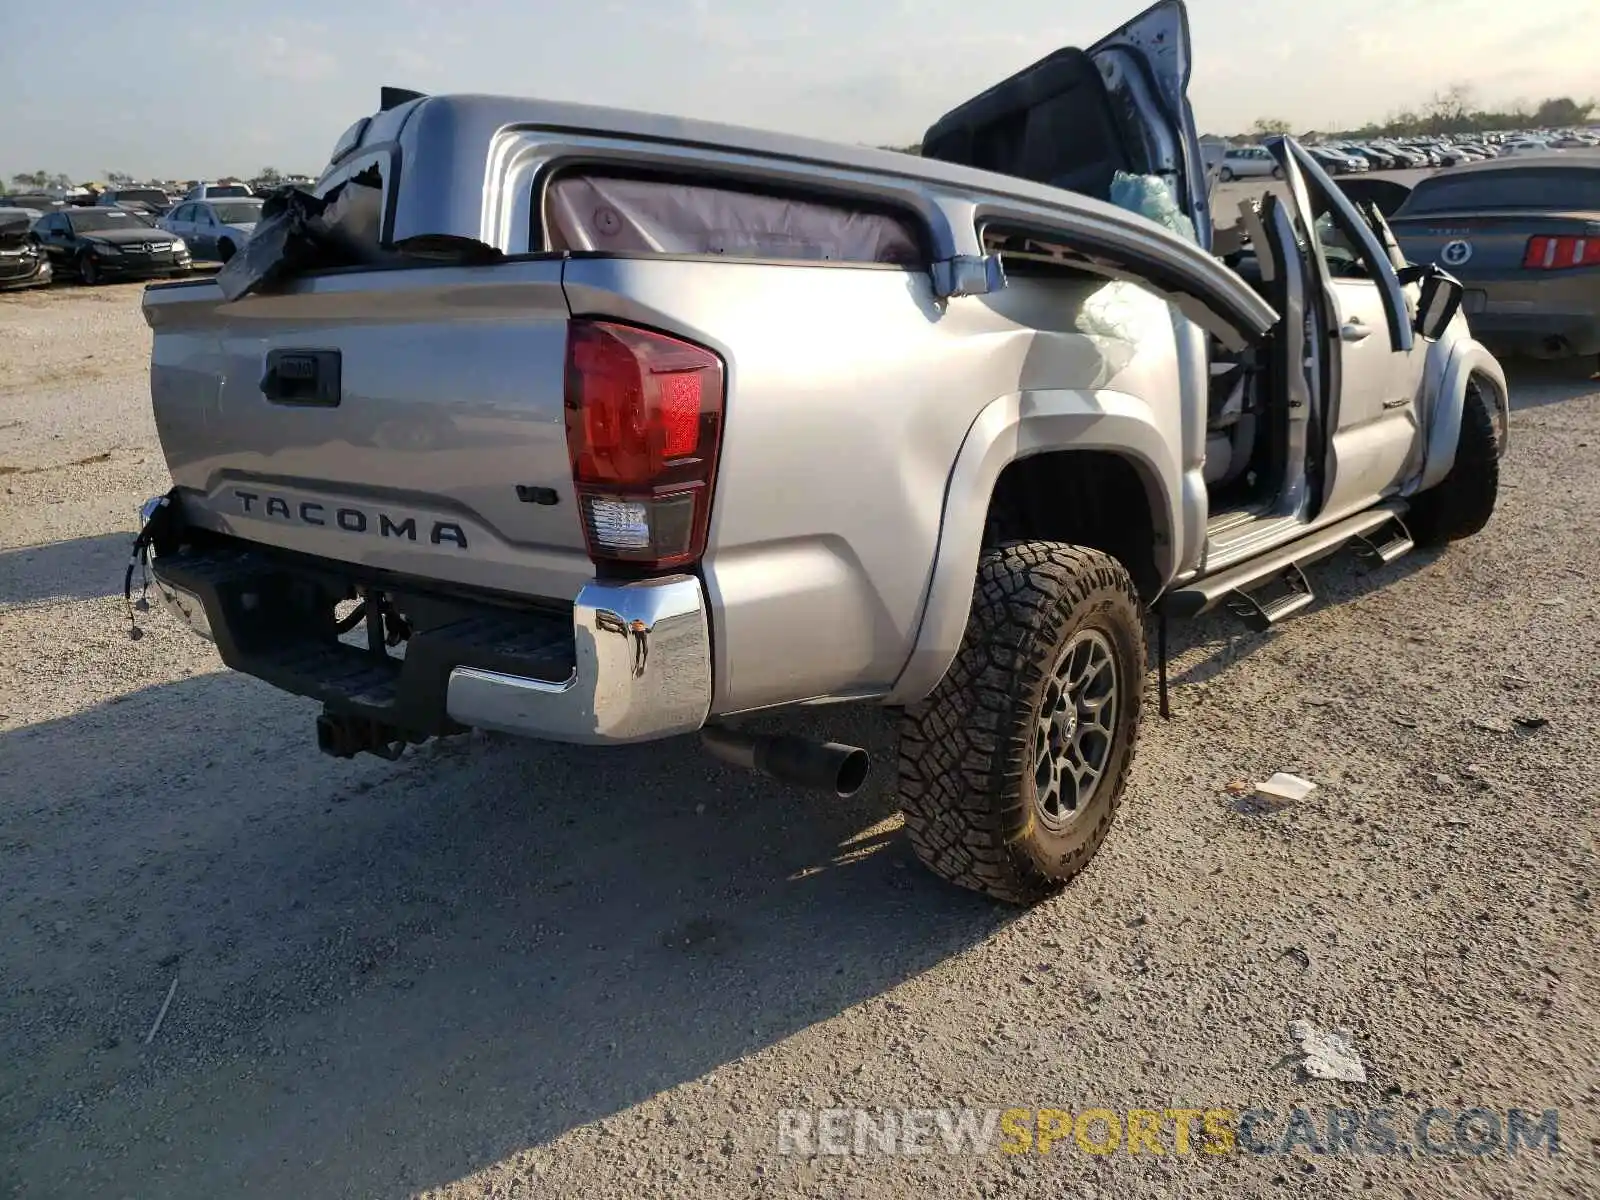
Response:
column 212, row 87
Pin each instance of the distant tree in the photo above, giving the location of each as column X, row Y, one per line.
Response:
column 1559, row 111
column 270, row 176
column 1269, row 126
column 31, row 179
column 58, row 181
column 1449, row 111
column 1406, row 121
column 118, row 178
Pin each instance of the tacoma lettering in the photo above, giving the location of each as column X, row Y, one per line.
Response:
column 406, row 529
column 351, row 520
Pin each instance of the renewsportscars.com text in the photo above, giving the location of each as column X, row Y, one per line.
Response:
column 1429, row 1133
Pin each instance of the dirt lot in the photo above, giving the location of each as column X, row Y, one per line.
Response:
column 496, row 969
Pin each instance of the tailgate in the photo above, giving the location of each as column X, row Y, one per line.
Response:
column 404, row 420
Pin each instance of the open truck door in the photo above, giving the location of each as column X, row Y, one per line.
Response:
column 1076, row 117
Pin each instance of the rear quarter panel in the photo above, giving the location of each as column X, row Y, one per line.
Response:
column 850, row 394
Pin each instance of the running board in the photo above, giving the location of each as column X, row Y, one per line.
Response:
column 1286, row 563
column 1262, row 615
column 1385, row 543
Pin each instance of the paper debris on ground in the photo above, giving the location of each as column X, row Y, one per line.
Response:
column 1286, row 787
column 1329, row 1054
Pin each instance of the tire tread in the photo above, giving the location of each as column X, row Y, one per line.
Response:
column 963, row 751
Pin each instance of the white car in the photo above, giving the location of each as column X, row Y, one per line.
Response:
column 1525, row 146
column 219, row 191
column 213, row 229
column 1245, row 162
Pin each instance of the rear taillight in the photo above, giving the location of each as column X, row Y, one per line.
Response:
column 1558, row 253
column 644, row 417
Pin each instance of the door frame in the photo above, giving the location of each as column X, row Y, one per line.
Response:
column 1298, row 168
column 1158, row 45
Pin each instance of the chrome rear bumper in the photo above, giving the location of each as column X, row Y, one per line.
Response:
column 637, row 666
column 643, row 671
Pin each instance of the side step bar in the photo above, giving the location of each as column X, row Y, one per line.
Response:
column 1262, row 615
column 1386, row 543
column 1368, row 529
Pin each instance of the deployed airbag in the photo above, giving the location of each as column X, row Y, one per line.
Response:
column 584, row 212
column 1151, row 196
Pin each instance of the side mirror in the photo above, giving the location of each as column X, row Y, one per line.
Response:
column 1438, row 305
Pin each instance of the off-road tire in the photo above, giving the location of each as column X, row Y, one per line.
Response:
column 967, row 757
column 1461, row 503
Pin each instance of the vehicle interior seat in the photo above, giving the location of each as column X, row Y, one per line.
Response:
column 1237, row 379
column 1230, row 417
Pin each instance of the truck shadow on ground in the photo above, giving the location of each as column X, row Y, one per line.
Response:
column 393, row 975
column 80, row 569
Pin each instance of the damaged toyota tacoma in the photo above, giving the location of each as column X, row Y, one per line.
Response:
column 601, row 427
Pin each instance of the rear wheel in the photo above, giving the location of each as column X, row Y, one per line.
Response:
column 88, row 270
column 1225, row 175
column 1277, row 172
column 1011, row 771
column 1461, row 503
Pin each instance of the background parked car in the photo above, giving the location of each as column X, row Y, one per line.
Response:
column 109, row 243
column 1523, row 234
column 1245, row 162
column 219, row 191
column 214, row 229
column 150, row 202
column 1338, row 162
column 1407, row 156
column 37, row 202
column 22, row 262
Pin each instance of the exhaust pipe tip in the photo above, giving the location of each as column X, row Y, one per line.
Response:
column 854, row 768
column 827, row 766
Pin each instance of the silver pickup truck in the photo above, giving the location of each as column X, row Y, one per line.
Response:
column 601, row 427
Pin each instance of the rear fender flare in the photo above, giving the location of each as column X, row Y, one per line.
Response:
column 1014, row 427
column 1467, row 358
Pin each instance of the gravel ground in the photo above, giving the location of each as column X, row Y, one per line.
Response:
column 496, row 969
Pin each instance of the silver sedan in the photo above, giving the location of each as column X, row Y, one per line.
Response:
column 1245, row 162
column 214, row 229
